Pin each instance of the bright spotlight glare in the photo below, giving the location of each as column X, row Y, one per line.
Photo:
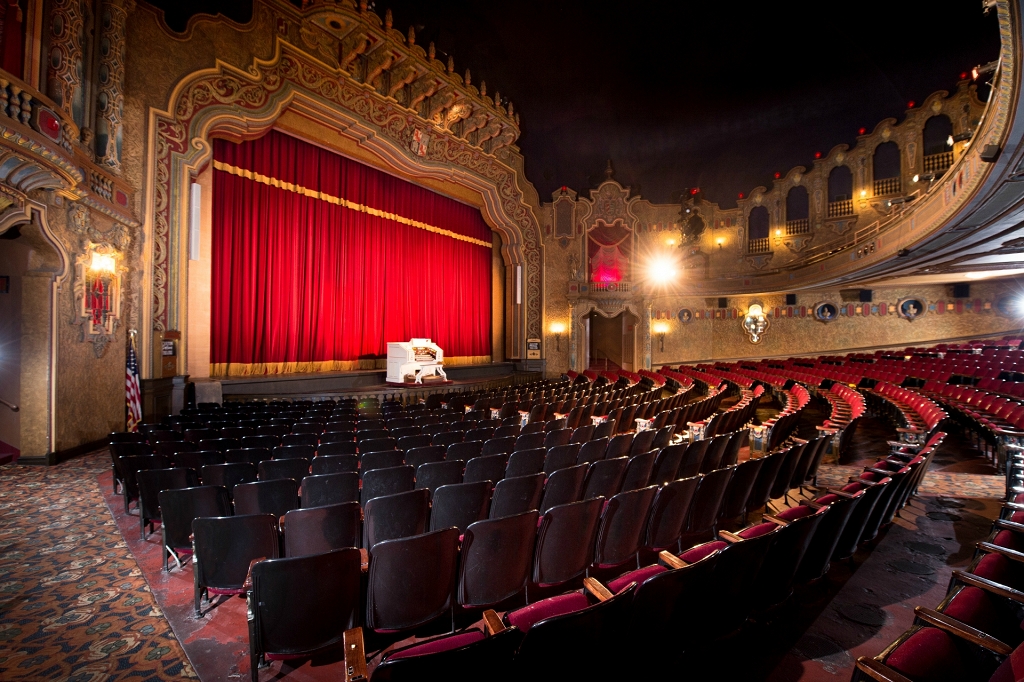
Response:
column 661, row 270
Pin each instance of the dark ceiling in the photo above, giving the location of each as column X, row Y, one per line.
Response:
column 681, row 94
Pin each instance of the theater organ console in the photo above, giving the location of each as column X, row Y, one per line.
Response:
column 417, row 359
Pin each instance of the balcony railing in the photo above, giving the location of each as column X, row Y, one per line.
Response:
column 887, row 186
column 802, row 226
column 620, row 287
column 758, row 245
column 938, row 163
column 837, row 209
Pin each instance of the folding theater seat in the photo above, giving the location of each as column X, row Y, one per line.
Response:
column 224, row 548
column 401, row 515
column 179, row 507
column 665, row 614
column 740, row 485
column 798, row 527
column 840, row 505
column 410, row 584
column 458, row 656
column 621, row 532
column 565, row 545
column 459, row 505
column 707, row 502
column 942, row 654
column 328, row 489
column 515, row 495
column 151, row 482
column 858, row 522
column 302, row 606
column 588, row 620
column 735, row 576
column 321, row 529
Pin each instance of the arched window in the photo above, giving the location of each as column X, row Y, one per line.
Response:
column 936, row 141
column 840, row 192
column 757, row 230
column 886, row 169
column 797, row 211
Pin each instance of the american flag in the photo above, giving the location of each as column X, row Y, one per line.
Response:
column 133, row 393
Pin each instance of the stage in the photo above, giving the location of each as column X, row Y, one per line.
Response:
column 355, row 384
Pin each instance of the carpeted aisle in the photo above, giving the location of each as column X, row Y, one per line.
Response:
column 73, row 603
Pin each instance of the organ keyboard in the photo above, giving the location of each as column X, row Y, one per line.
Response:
column 412, row 361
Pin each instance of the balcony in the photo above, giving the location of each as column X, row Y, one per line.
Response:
column 758, row 245
column 41, row 133
column 802, row 226
column 938, row 163
column 838, row 209
column 887, row 186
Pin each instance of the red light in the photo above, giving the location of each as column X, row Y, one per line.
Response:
column 741, row 195
column 565, row 188
column 694, row 191
column 910, row 104
column 778, row 175
column 862, row 131
column 817, row 155
column 963, row 75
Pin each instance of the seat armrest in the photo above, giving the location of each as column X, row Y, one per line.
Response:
column 355, row 655
column 839, row 492
column 989, row 586
column 1003, row 524
column 962, row 630
column 801, row 441
column 364, row 560
column 492, row 622
column 776, row 520
column 731, row 538
column 671, row 560
column 1010, row 554
column 594, row 587
column 879, row 671
column 903, row 429
column 247, row 585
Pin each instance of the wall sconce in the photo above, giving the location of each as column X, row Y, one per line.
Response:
column 660, row 328
column 557, row 328
column 755, row 323
column 720, row 241
column 98, row 294
column 101, row 286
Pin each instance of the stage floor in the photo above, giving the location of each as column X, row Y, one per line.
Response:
column 355, row 383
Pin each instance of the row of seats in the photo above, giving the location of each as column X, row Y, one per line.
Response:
column 975, row 632
column 725, row 580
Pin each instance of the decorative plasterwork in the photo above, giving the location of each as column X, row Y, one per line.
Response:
column 236, row 104
column 797, row 242
column 759, row 261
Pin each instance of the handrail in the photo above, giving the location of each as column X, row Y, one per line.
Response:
column 12, row 406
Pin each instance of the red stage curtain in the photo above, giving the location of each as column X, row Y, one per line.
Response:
column 301, row 283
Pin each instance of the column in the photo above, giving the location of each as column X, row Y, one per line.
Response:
column 110, row 83
column 64, row 71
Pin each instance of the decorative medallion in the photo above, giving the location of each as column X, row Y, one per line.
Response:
column 910, row 308
column 826, row 312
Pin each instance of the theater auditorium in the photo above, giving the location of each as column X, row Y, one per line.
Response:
column 348, row 341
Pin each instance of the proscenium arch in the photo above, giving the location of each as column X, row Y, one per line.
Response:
column 229, row 103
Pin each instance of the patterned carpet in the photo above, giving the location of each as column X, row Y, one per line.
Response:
column 73, row 603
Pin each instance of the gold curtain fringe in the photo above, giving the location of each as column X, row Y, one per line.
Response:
column 238, row 369
column 345, row 203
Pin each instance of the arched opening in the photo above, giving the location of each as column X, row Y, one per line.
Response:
column 611, row 341
column 758, row 226
column 840, row 192
column 797, row 211
column 31, row 265
column 937, row 143
column 885, row 166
